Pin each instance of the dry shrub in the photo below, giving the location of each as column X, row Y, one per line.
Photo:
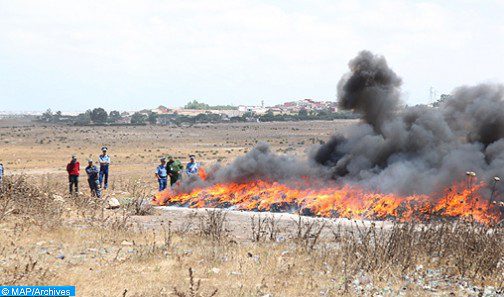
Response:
column 307, row 232
column 19, row 196
column 263, row 228
column 213, row 224
column 458, row 248
column 24, row 269
column 140, row 203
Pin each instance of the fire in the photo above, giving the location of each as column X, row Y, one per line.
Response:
column 202, row 173
column 458, row 201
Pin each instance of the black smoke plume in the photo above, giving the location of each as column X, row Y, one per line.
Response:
column 404, row 150
column 371, row 88
column 416, row 149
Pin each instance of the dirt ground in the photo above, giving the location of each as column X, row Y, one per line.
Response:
column 40, row 149
column 50, row 238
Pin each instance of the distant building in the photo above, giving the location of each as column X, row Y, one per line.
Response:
column 292, row 107
column 162, row 110
column 195, row 112
column 126, row 119
column 259, row 110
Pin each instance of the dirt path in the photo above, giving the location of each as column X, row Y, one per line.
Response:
column 239, row 223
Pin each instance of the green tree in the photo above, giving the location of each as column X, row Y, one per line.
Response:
column 138, row 118
column 83, row 118
column 114, row 116
column 203, row 106
column 152, row 118
column 47, row 116
column 56, row 117
column 196, row 105
column 303, row 113
column 267, row 117
column 99, row 115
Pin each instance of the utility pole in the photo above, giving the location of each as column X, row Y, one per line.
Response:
column 432, row 94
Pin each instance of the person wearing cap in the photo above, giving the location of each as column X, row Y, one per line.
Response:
column 162, row 174
column 73, row 169
column 104, row 168
column 94, row 184
column 174, row 168
column 192, row 167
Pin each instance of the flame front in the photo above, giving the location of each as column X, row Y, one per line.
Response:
column 458, row 201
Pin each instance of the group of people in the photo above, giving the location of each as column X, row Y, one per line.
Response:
column 97, row 177
column 173, row 169
column 170, row 170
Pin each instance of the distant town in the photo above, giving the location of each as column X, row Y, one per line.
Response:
column 196, row 112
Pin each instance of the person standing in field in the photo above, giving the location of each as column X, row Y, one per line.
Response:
column 94, row 184
column 192, row 167
column 104, row 168
column 162, row 174
column 174, row 168
column 73, row 169
column 1, row 174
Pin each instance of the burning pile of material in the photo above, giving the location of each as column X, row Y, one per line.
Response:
column 346, row 202
column 399, row 162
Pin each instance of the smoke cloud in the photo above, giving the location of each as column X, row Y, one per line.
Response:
column 371, row 88
column 416, row 149
column 404, row 150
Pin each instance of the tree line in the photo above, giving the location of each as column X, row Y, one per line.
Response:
column 203, row 106
column 99, row 116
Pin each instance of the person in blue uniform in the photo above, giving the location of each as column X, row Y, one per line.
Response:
column 1, row 173
column 162, row 174
column 94, row 184
column 192, row 167
column 104, row 168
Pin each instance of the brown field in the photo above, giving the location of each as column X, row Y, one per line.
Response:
column 41, row 149
column 50, row 238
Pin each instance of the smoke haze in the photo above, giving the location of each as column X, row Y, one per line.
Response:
column 404, row 150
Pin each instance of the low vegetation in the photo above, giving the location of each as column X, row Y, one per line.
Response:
column 100, row 117
column 50, row 238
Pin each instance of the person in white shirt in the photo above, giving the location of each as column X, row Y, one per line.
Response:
column 104, row 168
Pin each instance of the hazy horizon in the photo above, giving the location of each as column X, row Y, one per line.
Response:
column 130, row 55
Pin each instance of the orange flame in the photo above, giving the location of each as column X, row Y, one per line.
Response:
column 458, row 201
column 202, row 173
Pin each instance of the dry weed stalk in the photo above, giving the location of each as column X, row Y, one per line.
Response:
column 194, row 288
column 140, row 203
column 264, row 227
column 213, row 224
column 308, row 233
column 465, row 249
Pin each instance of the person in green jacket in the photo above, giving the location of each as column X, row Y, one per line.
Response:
column 174, row 168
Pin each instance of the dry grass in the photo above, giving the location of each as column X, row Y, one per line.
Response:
column 105, row 253
column 50, row 238
column 40, row 149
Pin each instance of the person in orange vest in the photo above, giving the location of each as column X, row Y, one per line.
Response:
column 73, row 169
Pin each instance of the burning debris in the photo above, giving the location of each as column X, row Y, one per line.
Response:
column 457, row 201
column 399, row 162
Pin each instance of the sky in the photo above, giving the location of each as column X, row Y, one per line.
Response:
column 128, row 55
